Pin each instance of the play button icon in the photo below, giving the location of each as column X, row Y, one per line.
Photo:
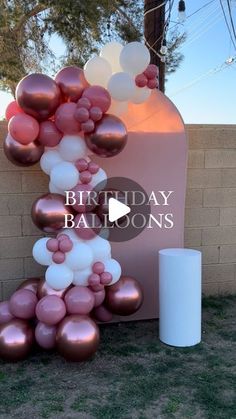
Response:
column 117, row 210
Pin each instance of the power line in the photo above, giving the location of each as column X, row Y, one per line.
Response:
column 227, row 24
column 231, row 18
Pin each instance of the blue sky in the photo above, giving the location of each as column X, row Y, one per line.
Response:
column 208, row 46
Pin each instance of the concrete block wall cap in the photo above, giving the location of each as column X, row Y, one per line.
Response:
column 179, row 252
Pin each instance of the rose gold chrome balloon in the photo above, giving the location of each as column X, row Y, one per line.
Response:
column 44, row 289
column 77, row 338
column 48, row 212
column 109, row 137
column 38, row 95
column 124, row 297
column 30, row 284
column 16, row 340
column 72, row 83
column 22, row 155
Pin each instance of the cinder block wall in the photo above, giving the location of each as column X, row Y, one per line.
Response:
column 210, row 210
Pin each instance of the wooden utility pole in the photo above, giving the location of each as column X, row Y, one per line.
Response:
column 154, row 23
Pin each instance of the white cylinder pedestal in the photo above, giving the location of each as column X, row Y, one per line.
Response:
column 180, row 297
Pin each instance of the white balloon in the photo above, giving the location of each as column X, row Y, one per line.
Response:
column 141, row 95
column 111, row 52
column 134, row 58
column 99, row 177
column 72, row 147
column 118, row 108
column 53, row 189
column 49, row 159
column 40, row 252
column 80, row 257
column 121, row 86
column 72, row 235
column 64, row 175
column 101, row 249
column 112, row 266
column 97, row 71
column 81, row 277
column 59, row 276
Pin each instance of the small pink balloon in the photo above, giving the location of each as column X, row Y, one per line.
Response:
column 82, row 192
column 81, row 165
column 65, row 120
column 99, row 297
column 97, row 288
column 12, row 109
column 102, row 314
column 83, row 102
column 65, row 245
column 50, row 309
column 81, row 115
column 45, row 335
column 52, row 245
column 5, row 314
column 62, row 236
column 87, row 225
column 141, row 80
column 79, row 300
column 85, row 177
column 152, row 84
column 106, row 278
column 88, row 126
column 93, row 167
column 49, row 135
column 98, row 96
column 95, row 113
column 23, row 128
column 98, row 268
column 22, row 304
column 94, row 279
column 151, row 71
column 58, row 257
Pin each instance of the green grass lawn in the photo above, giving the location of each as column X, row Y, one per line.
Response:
column 132, row 375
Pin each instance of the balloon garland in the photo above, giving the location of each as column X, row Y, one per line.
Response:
column 59, row 123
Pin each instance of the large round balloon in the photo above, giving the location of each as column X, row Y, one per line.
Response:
column 77, row 338
column 16, row 340
column 49, row 135
column 23, row 128
column 45, row 335
column 22, row 155
column 109, row 137
column 12, row 110
column 48, row 212
column 111, row 52
column 72, row 83
column 97, row 71
column 79, row 300
column 121, row 86
column 30, row 284
column 22, row 304
column 124, row 297
column 5, row 314
column 98, row 97
column 50, row 309
column 44, row 289
column 134, row 58
column 38, row 95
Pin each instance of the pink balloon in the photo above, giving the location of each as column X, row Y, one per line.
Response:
column 151, row 71
column 84, row 103
column 49, row 135
column 96, row 288
column 89, row 225
column 65, row 245
column 5, row 314
column 98, row 268
column 45, row 335
column 23, row 128
column 81, row 114
column 106, row 278
column 12, row 110
column 152, row 83
column 58, row 257
column 81, row 165
column 50, row 309
column 85, row 177
column 82, row 192
column 22, row 304
column 79, row 300
column 95, row 113
column 65, row 120
column 88, row 126
column 94, row 279
column 102, row 314
column 99, row 297
column 98, row 96
column 72, row 82
column 52, row 245
column 93, row 167
column 141, row 80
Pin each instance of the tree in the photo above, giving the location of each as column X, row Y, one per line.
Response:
column 27, row 26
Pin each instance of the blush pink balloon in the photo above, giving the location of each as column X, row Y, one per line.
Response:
column 65, row 245
column 84, row 103
column 65, row 120
column 93, row 167
column 82, row 192
column 88, row 126
column 151, row 71
column 94, row 279
column 141, row 80
column 5, row 314
column 95, row 113
column 98, row 268
column 97, row 288
column 52, row 245
column 89, row 225
column 81, row 114
column 45, row 335
column 50, row 309
column 79, row 300
column 102, row 314
column 98, row 96
column 12, row 109
column 23, row 128
column 49, row 135
column 99, row 297
column 152, row 83
column 22, row 304
column 81, row 165
column 106, row 278
column 85, row 177
column 58, row 257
